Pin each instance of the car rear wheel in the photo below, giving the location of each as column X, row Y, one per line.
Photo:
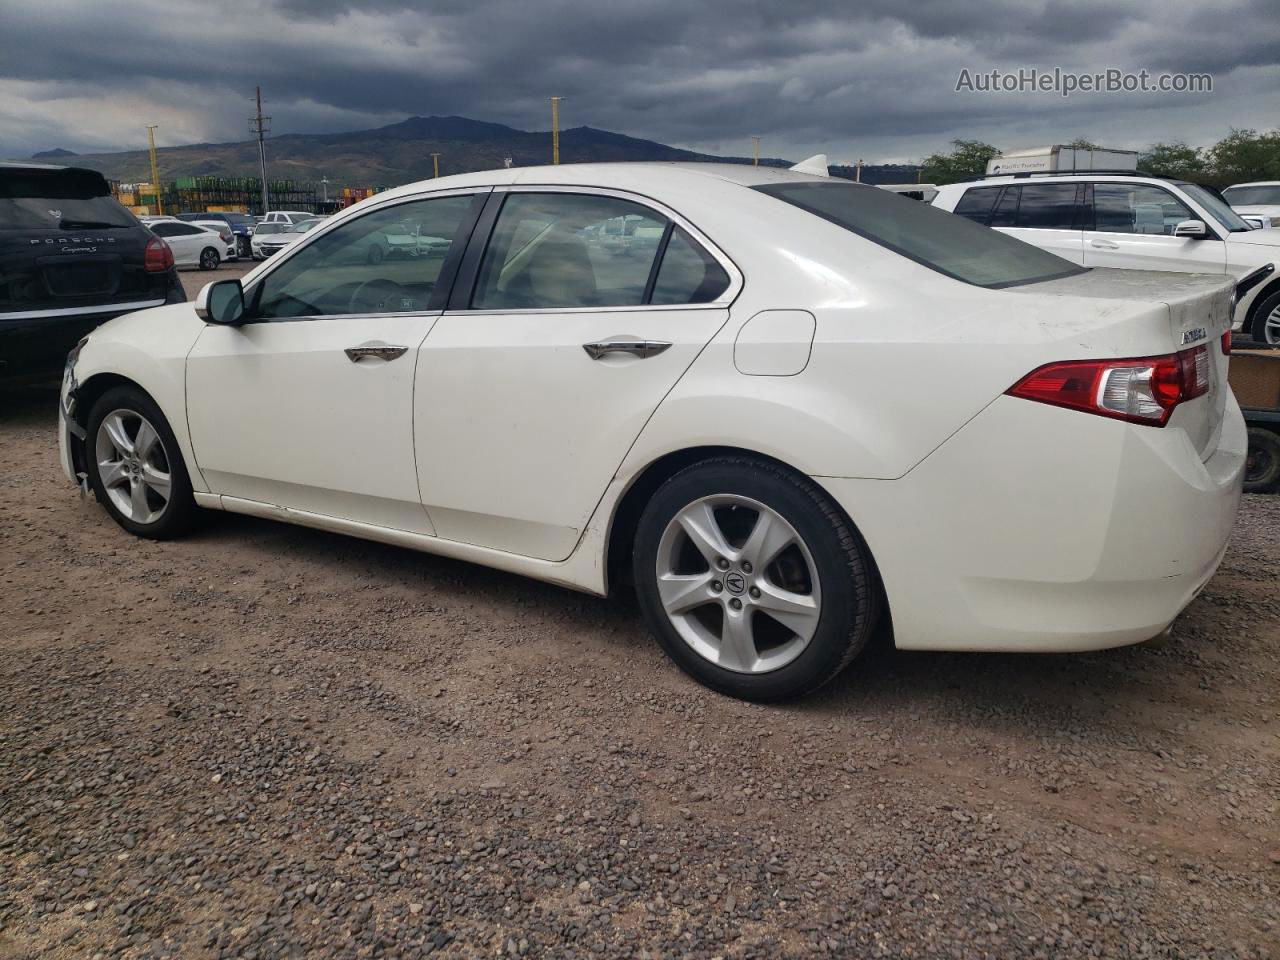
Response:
column 1262, row 466
column 753, row 580
column 135, row 467
column 209, row 259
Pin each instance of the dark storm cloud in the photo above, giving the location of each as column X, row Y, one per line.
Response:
column 876, row 79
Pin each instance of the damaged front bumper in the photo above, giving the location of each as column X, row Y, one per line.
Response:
column 71, row 434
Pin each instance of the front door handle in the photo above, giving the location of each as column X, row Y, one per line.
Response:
column 1104, row 244
column 374, row 351
column 637, row 348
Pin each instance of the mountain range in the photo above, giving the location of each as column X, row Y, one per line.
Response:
column 401, row 153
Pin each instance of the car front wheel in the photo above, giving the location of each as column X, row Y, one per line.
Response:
column 135, row 467
column 753, row 580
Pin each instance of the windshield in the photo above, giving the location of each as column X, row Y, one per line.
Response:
column 941, row 241
column 59, row 200
column 304, row 226
column 265, row 228
column 1217, row 209
column 1252, row 196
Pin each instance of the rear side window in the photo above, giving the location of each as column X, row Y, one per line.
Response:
column 1006, row 212
column 689, row 274
column 941, row 241
column 565, row 250
column 977, row 204
column 1047, row 206
column 59, row 200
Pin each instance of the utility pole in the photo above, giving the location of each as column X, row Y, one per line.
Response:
column 755, row 151
column 555, row 128
column 324, row 185
column 435, row 165
column 857, row 176
column 261, row 126
column 155, row 169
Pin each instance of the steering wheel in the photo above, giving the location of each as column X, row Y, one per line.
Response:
column 380, row 290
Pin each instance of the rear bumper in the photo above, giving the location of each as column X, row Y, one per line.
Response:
column 1041, row 529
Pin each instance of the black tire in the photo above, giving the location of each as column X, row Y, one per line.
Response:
column 376, row 254
column 1258, row 330
column 850, row 591
column 179, row 514
column 209, row 259
column 1262, row 469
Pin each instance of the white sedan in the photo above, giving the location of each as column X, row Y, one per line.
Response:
column 192, row 245
column 811, row 407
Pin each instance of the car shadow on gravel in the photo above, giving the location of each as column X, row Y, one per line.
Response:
column 29, row 406
column 1080, row 693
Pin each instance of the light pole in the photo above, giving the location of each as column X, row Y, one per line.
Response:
column 155, row 169
column 435, row 165
column 755, row 151
column 555, row 128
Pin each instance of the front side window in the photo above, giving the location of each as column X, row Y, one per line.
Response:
column 1137, row 208
column 941, row 241
column 383, row 262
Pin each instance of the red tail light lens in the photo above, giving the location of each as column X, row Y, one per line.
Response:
column 158, row 257
column 1142, row 390
column 1226, row 344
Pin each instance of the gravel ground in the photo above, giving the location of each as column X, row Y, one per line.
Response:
column 265, row 741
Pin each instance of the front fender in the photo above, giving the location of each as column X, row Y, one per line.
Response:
column 148, row 348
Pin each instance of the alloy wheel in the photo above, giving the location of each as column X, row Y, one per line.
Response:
column 133, row 466
column 738, row 584
column 1271, row 327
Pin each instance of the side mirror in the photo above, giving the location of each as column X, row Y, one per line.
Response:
column 221, row 302
column 1191, row 230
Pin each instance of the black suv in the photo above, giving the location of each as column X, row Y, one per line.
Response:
column 70, row 258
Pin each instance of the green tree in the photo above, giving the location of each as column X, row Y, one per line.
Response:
column 1080, row 143
column 967, row 159
column 1175, row 159
column 1244, row 155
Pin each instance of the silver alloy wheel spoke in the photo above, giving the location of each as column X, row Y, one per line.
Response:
column 133, row 466
column 796, row 611
column 681, row 593
column 738, row 576
column 114, row 426
column 1271, row 329
column 700, row 526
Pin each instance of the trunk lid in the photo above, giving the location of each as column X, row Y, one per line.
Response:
column 1189, row 310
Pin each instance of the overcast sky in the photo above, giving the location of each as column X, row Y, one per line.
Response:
column 874, row 79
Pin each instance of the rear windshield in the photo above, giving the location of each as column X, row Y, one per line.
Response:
column 58, row 200
column 1245, row 196
column 941, row 241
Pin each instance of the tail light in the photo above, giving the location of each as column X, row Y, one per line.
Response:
column 1142, row 390
column 158, row 257
column 1226, row 344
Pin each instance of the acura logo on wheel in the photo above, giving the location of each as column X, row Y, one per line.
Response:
column 735, row 583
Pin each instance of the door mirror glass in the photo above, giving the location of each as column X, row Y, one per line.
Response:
column 1191, row 230
column 221, row 302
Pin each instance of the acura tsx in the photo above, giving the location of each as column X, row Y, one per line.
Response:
column 787, row 408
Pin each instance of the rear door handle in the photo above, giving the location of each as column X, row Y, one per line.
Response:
column 1104, row 244
column 637, row 348
column 374, row 351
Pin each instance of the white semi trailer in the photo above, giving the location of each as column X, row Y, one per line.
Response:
column 1060, row 157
